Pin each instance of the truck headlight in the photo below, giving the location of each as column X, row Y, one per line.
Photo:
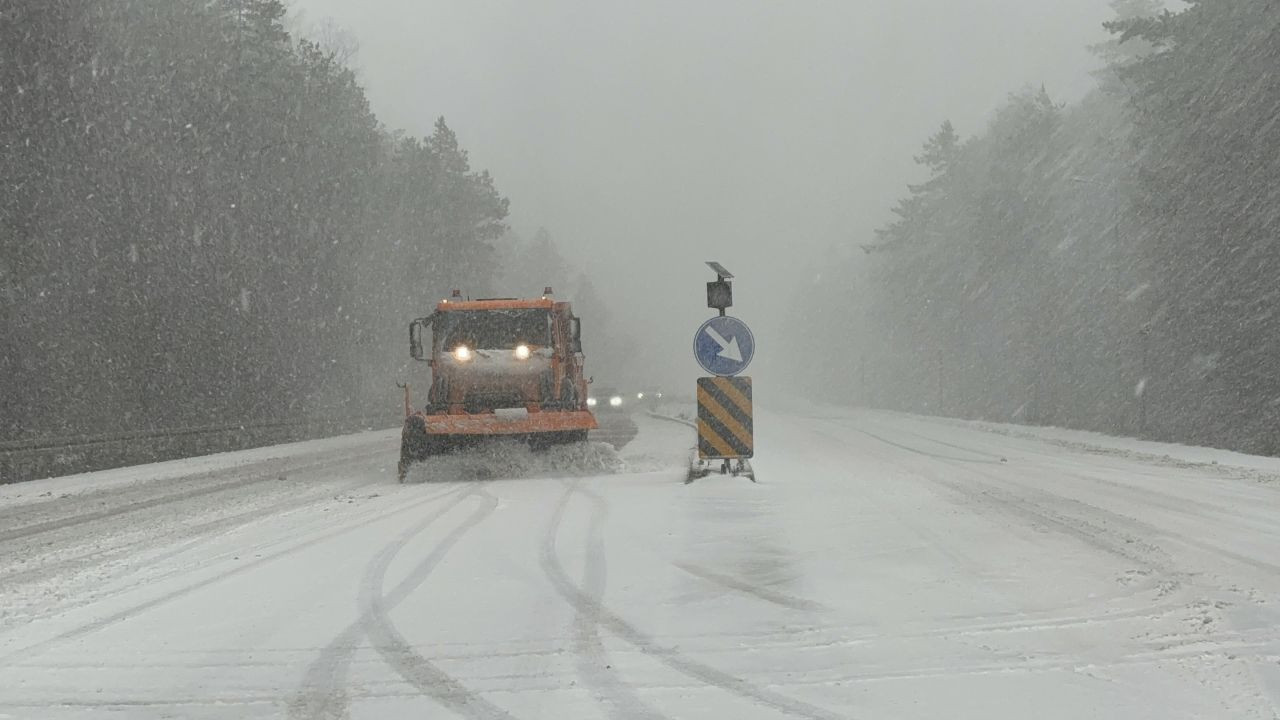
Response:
column 591, row 402
column 462, row 353
column 639, row 396
column 522, row 352
column 615, row 401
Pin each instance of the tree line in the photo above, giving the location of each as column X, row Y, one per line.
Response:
column 202, row 221
column 1108, row 265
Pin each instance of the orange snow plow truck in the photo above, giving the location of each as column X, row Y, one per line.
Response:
column 499, row 368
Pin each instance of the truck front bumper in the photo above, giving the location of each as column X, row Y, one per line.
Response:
column 500, row 423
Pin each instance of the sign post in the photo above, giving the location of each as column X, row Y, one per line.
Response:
column 723, row 347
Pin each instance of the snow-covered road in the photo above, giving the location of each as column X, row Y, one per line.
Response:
column 884, row 567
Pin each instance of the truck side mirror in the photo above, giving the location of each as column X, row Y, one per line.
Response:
column 576, row 344
column 415, row 339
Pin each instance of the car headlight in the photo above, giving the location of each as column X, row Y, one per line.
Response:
column 522, row 352
column 639, row 396
column 615, row 401
column 591, row 402
column 462, row 353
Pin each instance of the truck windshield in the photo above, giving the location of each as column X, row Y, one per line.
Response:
column 493, row 329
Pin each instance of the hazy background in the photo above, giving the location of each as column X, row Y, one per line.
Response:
column 650, row 136
column 206, row 221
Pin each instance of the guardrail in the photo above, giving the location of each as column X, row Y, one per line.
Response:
column 33, row 458
column 674, row 419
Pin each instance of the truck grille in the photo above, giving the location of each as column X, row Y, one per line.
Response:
column 484, row 401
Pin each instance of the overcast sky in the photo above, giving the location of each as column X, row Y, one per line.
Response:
column 650, row 135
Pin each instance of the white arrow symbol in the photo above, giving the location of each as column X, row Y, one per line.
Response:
column 728, row 348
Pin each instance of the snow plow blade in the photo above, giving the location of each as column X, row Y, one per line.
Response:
column 496, row 424
column 426, row 435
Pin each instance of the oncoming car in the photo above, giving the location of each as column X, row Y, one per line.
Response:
column 605, row 398
column 649, row 396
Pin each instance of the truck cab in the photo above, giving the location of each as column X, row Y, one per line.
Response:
column 488, row 355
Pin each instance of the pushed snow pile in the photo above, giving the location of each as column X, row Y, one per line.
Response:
column 508, row 460
column 678, row 410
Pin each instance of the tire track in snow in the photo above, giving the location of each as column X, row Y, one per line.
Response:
column 1023, row 663
column 1188, row 509
column 398, row 652
column 1239, row 691
column 323, row 691
column 942, row 546
column 760, row 593
column 1187, row 506
column 1157, row 572
column 981, row 491
column 1017, row 623
column 1115, row 533
column 51, row 525
column 584, row 604
column 29, row 651
column 592, row 659
column 217, row 703
column 988, row 498
column 192, row 533
column 987, row 458
column 984, row 496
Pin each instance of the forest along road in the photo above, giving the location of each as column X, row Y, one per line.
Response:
column 885, row 566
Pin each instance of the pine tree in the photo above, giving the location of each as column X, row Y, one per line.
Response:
column 1204, row 109
column 1119, row 52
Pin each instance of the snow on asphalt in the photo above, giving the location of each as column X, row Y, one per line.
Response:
column 885, row 566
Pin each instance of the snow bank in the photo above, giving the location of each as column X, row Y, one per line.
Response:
column 1258, row 467
column 98, row 480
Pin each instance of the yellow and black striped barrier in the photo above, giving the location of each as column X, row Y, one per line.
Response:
column 724, row 418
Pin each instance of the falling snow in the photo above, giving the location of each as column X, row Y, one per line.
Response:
column 1013, row 275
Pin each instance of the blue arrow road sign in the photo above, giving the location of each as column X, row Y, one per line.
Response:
column 724, row 346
